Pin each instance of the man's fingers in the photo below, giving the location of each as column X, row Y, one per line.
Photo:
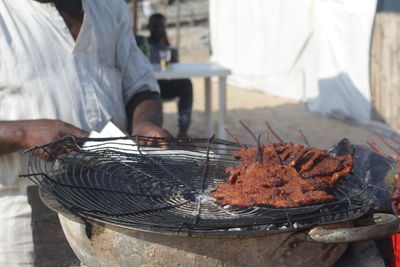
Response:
column 74, row 131
column 163, row 133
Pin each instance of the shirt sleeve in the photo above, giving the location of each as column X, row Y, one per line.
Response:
column 136, row 70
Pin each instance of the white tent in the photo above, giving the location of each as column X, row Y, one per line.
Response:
column 311, row 50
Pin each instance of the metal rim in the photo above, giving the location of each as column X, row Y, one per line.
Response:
column 384, row 225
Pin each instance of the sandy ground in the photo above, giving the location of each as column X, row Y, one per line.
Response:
column 254, row 108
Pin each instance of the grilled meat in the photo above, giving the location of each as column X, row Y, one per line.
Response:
column 282, row 175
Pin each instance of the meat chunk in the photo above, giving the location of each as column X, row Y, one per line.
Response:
column 286, row 175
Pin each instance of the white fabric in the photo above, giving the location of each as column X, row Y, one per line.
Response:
column 310, row 50
column 262, row 42
column 337, row 67
column 128, row 145
column 44, row 73
column 16, row 242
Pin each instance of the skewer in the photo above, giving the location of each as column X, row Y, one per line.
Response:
column 375, row 147
column 269, row 143
column 259, row 154
column 267, row 140
column 248, row 129
column 235, row 138
column 272, row 131
column 304, row 137
column 371, row 148
column 276, row 153
column 395, row 150
column 395, row 141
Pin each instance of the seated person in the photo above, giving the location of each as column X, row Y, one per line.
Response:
column 181, row 88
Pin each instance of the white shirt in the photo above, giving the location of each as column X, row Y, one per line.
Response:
column 44, row 73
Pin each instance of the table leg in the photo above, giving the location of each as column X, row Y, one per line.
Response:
column 207, row 114
column 222, row 107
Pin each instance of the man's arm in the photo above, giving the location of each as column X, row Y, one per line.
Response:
column 145, row 115
column 18, row 135
column 140, row 89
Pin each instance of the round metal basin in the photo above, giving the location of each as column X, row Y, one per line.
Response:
column 97, row 244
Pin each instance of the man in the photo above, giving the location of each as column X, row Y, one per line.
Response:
column 66, row 68
column 180, row 88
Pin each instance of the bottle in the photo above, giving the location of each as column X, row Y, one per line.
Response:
column 144, row 45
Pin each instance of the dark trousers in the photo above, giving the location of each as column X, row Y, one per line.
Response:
column 183, row 89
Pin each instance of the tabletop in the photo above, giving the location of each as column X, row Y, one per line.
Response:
column 188, row 70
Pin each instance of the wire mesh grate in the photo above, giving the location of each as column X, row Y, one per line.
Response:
column 168, row 187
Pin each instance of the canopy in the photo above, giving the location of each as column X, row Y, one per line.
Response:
column 311, row 50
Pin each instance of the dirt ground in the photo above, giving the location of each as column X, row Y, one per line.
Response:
column 254, row 108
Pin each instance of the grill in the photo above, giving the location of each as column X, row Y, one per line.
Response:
column 167, row 187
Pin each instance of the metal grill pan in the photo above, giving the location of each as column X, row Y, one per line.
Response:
column 168, row 189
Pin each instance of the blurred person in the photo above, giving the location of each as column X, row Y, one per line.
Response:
column 180, row 88
column 67, row 68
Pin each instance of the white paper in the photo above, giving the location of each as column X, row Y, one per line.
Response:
column 129, row 146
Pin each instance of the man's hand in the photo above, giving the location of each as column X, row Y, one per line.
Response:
column 145, row 114
column 17, row 135
column 39, row 132
column 149, row 129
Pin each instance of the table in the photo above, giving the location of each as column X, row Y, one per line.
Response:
column 206, row 70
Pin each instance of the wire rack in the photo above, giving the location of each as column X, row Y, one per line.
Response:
column 167, row 187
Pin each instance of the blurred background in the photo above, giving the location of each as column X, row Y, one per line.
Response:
column 187, row 24
column 304, row 64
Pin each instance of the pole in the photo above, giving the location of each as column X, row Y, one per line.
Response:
column 178, row 24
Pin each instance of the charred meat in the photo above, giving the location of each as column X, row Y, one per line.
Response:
column 282, row 175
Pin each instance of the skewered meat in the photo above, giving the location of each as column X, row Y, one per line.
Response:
column 394, row 146
column 282, row 175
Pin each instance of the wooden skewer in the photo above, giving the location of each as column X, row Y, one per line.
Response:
column 269, row 143
column 272, row 131
column 235, row 138
column 395, row 150
column 304, row 137
column 259, row 154
column 377, row 152
column 248, row 129
column 395, row 141
column 267, row 140
column 375, row 147
column 276, row 153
